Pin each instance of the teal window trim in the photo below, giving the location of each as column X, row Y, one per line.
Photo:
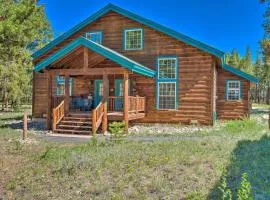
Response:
column 124, row 38
column 227, row 88
column 167, row 80
column 95, row 32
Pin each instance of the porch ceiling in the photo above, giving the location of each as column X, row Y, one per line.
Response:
column 71, row 56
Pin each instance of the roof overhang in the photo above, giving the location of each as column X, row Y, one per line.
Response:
column 103, row 51
column 179, row 36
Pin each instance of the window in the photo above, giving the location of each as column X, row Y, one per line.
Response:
column 60, row 86
column 166, row 94
column 167, row 83
column 94, row 36
column 133, row 39
column 233, row 90
column 167, row 68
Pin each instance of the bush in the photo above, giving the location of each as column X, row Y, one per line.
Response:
column 117, row 128
column 226, row 193
column 244, row 192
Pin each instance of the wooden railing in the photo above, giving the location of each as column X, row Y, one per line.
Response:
column 115, row 103
column 56, row 100
column 136, row 104
column 58, row 114
column 97, row 115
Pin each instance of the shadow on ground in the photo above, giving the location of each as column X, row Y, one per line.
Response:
column 18, row 124
column 251, row 157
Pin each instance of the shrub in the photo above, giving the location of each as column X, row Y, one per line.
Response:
column 244, row 192
column 117, row 128
column 226, row 193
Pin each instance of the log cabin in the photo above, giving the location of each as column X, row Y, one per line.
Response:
column 119, row 66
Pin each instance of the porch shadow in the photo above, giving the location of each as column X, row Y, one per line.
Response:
column 18, row 124
column 251, row 157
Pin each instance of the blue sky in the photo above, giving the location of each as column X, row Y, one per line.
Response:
column 224, row 24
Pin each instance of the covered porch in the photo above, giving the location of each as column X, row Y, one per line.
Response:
column 103, row 88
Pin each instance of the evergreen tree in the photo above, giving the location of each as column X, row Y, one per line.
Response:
column 234, row 59
column 265, row 45
column 24, row 27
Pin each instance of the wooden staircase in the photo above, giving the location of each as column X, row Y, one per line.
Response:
column 75, row 124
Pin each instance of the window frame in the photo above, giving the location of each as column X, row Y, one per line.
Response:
column 61, row 81
column 167, row 80
column 95, row 32
column 125, row 39
column 227, row 90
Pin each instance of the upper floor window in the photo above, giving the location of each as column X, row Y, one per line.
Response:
column 233, row 90
column 167, row 68
column 133, row 39
column 94, row 36
column 167, row 81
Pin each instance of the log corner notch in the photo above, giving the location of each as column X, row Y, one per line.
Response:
column 126, row 102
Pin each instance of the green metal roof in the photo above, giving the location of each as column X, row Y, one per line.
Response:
column 104, row 51
column 152, row 24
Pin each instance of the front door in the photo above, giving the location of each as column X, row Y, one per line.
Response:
column 119, row 93
column 98, row 92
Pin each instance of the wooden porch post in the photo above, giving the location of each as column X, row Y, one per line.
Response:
column 66, row 94
column 126, row 106
column 49, row 111
column 104, row 101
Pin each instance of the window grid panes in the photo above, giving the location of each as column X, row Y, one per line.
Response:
column 167, row 68
column 60, row 86
column 233, row 90
column 167, row 95
column 133, row 39
column 94, row 36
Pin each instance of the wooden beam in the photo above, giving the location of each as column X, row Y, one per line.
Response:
column 85, row 59
column 126, row 102
column 49, row 109
column 67, row 93
column 104, row 101
column 89, row 71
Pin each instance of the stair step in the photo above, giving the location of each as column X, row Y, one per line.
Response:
column 74, row 127
column 72, row 131
column 77, row 118
column 75, row 122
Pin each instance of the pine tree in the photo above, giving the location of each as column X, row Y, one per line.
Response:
column 24, row 27
column 234, row 59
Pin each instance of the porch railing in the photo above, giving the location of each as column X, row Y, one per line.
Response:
column 136, row 104
column 97, row 115
column 58, row 114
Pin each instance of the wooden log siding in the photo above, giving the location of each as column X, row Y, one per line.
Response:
column 195, row 69
column 231, row 109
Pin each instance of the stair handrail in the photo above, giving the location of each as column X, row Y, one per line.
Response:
column 97, row 115
column 58, row 114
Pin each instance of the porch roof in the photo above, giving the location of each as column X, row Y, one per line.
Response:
column 100, row 49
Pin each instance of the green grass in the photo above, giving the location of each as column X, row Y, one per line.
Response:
column 163, row 169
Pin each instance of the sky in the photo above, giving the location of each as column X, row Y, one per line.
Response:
column 223, row 24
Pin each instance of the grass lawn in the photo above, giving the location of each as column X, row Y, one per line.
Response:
column 179, row 168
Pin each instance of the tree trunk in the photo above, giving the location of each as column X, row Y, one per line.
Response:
column 256, row 94
column 259, row 96
column 268, row 94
